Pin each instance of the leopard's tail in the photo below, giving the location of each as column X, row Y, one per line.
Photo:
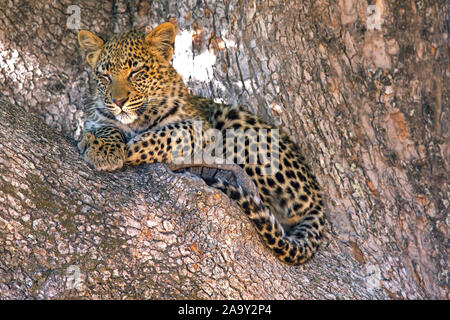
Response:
column 294, row 246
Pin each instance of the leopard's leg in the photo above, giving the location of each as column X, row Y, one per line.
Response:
column 103, row 148
column 174, row 143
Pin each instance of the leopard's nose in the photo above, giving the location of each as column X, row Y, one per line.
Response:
column 120, row 102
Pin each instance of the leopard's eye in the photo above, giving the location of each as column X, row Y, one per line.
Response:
column 103, row 76
column 135, row 72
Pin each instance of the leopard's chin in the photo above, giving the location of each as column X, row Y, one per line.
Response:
column 126, row 118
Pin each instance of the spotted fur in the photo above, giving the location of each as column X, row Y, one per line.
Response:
column 141, row 112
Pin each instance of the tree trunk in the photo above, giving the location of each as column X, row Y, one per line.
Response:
column 361, row 86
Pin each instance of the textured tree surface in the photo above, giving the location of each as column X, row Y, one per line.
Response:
column 361, row 86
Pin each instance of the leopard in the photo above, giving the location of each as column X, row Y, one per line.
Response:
column 142, row 112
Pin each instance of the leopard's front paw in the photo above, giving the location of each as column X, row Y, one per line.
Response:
column 102, row 154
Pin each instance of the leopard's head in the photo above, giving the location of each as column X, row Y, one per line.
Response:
column 131, row 69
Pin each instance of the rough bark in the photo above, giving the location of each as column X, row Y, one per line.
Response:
column 361, row 86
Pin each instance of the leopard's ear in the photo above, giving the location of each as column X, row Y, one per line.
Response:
column 162, row 38
column 92, row 44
